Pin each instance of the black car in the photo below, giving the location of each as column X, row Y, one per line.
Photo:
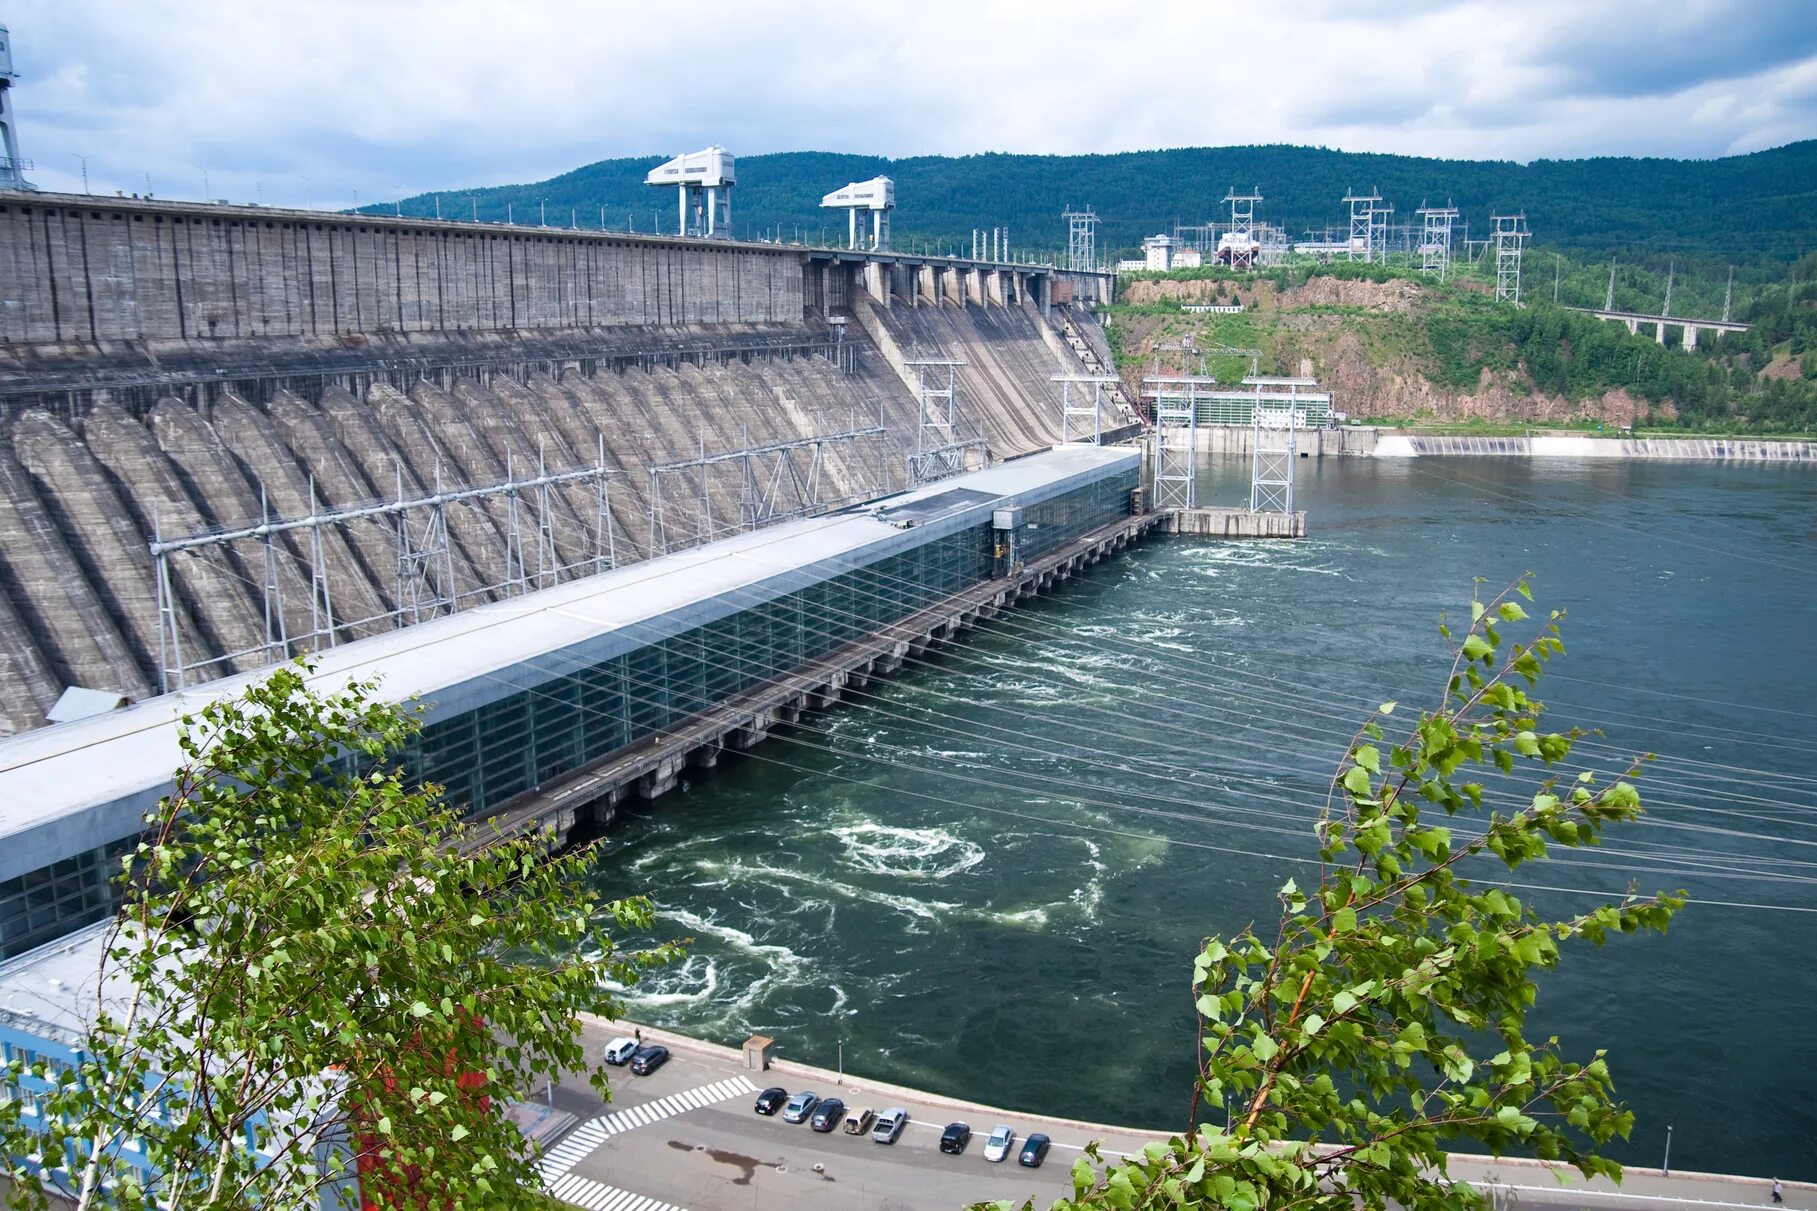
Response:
column 1034, row 1151
column 648, row 1059
column 771, row 1100
column 954, row 1139
column 828, row 1115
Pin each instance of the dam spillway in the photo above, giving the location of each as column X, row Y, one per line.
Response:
column 171, row 369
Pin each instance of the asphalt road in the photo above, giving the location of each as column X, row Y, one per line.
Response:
column 686, row 1138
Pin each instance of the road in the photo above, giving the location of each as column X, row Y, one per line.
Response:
column 685, row 1138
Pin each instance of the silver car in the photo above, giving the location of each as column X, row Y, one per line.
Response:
column 800, row 1106
column 889, row 1126
column 998, row 1145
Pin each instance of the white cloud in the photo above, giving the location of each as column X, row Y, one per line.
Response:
column 296, row 101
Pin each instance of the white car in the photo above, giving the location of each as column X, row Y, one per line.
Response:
column 619, row 1051
column 998, row 1145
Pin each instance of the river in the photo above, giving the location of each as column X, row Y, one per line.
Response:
column 989, row 876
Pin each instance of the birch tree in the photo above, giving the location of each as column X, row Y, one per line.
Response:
column 1384, row 1020
column 321, row 976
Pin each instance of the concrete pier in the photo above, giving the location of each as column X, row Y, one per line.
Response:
column 1235, row 523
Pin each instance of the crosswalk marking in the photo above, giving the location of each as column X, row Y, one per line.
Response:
column 580, row 1142
column 597, row 1196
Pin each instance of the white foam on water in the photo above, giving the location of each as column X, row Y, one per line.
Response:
column 927, row 910
column 906, row 853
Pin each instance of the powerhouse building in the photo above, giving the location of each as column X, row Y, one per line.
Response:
column 526, row 691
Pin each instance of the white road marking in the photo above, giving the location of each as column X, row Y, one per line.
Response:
column 597, row 1196
column 584, row 1139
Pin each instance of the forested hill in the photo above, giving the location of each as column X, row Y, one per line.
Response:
column 1750, row 208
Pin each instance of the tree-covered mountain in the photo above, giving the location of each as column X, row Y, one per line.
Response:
column 1752, row 209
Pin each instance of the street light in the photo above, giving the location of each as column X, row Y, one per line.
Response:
column 207, row 193
column 84, row 160
column 308, row 193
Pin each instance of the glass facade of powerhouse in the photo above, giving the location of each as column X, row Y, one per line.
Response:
column 484, row 757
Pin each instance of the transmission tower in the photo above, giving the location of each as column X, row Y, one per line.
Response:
column 1081, row 239
column 1362, row 224
column 1728, row 295
column 1608, row 302
column 1243, row 242
column 1510, row 239
column 1666, row 307
column 1435, row 243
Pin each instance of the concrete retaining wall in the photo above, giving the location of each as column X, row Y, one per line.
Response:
column 1402, row 445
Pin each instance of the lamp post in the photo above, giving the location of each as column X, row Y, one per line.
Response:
column 84, row 160
column 207, row 193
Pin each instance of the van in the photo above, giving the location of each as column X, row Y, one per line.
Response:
column 889, row 1126
column 858, row 1120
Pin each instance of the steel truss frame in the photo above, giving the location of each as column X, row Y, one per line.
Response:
column 1177, row 397
column 424, row 585
column 1089, row 419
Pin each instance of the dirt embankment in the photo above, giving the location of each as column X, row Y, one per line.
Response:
column 1297, row 338
column 1362, row 388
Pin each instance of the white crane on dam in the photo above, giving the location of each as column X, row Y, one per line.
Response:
column 703, row 182
column 878, row 196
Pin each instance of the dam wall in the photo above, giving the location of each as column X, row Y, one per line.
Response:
column 175, row 370
column 98, row 271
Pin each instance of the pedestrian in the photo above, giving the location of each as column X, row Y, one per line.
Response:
column 640, row 1042
column 1778, row 1193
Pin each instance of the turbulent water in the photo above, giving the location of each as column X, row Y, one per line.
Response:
column 989, row 876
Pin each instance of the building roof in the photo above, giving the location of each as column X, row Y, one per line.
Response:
column 50, row 991
column 69, row 788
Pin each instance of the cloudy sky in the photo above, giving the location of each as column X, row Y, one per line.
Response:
column 309, row 102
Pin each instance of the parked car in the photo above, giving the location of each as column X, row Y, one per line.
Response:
column 858, row 1120
column 619, row 1051
column 771, row 1100
column 1034, row 1151
column 646, row 1060
column 800, row 1106
column 888, row 1128
column 828, row 1115
column 998, row 1145
column 954, row 1139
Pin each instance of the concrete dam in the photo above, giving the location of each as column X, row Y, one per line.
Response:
column 565, row 401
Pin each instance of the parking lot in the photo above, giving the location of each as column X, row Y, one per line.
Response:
column 686, row 1137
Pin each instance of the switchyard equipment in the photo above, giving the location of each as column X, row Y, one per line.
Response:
column 12, row 167
column 1081, row 239
column 1363, row 208
column 1177, row 400
column 1435, row 238
column 703, row 183
column 1510, row 240
column 1239, row 246
column 1079, row 421
column 876, row 196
